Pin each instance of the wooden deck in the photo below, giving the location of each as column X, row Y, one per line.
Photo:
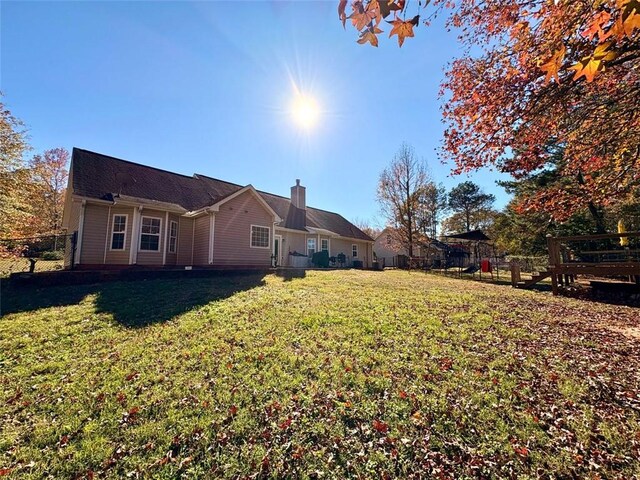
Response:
column 566, row 262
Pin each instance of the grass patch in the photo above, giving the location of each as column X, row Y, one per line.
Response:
column 333, row 374
column 21, row 264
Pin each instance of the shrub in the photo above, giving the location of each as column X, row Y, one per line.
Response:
column 53, row 255
column 320, row 259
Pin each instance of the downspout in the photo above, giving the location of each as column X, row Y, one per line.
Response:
column 76, row 260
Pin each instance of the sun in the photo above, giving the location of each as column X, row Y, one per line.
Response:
column 305, row 111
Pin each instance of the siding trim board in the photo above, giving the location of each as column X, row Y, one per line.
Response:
column 106, row 236
column 133, row 251
column 80, row 232
column 166, row 232
column 212, row 224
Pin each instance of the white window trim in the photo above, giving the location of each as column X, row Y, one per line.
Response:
column 159, row 234
column 175, row 247
column 251, row 237
column 126, row 224
column 328, row 245
column 315, row 245
column 357, row 255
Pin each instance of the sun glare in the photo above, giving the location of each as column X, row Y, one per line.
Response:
column 305, row 111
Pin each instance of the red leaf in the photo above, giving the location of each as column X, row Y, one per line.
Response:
column 521, row 451
column 233, row 410
column 380, row 426
column 5, row 471
column 286, row 424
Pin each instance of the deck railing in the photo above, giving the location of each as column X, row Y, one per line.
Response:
column 607, row 254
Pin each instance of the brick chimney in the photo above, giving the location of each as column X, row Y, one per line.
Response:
column 298, row 195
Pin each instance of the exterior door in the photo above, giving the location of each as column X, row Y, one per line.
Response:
column 277, row 249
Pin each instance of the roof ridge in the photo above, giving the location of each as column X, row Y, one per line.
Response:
column 218, row 180
column 132, row 163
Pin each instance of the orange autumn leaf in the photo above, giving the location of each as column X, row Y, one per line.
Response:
column 369, row 37
column 631, row 23
column 596, row 26
column 552, row 66
column 590, row 66
column 403, row 28
column 362, row 17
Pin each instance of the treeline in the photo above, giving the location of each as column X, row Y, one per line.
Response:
column 419, row 209
column 31, row 189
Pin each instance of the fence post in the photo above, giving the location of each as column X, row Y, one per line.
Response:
column 554, row 261
column 515, row 274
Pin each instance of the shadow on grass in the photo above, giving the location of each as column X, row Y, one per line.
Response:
column 132, row 303
column 288, row 274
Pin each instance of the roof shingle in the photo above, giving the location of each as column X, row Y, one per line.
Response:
column 104, row 177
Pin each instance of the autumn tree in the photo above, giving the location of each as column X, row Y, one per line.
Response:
column 13, row 146
column 399, row 194
column 535, row 73
column 48, row 181
column 470, row 204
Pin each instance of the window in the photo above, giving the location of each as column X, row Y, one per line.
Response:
column 388, row 239
column 150, row 234
column 173, row 236
column 324, row 245
column 354, row 250
column 311, row 246
column 259, row 237
column 118, row 232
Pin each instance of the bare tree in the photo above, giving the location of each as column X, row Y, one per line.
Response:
column 366, row 226
column 399, row 193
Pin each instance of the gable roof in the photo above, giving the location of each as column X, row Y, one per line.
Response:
column 106, row 178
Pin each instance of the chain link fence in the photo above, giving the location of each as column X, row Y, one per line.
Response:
column 36, row 254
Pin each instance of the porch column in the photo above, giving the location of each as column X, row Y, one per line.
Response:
column 135, row 235
column 212, row 226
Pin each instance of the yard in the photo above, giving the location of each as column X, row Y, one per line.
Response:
column 326, row 375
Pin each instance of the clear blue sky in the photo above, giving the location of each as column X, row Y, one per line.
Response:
column 206, row 87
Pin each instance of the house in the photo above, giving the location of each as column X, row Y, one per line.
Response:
column 390, row 251
column 126, row 214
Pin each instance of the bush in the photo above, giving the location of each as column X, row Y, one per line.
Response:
column 53, row 255
column 320, row 259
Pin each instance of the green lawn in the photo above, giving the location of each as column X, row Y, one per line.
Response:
column 328, row 375
column 21, row 264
